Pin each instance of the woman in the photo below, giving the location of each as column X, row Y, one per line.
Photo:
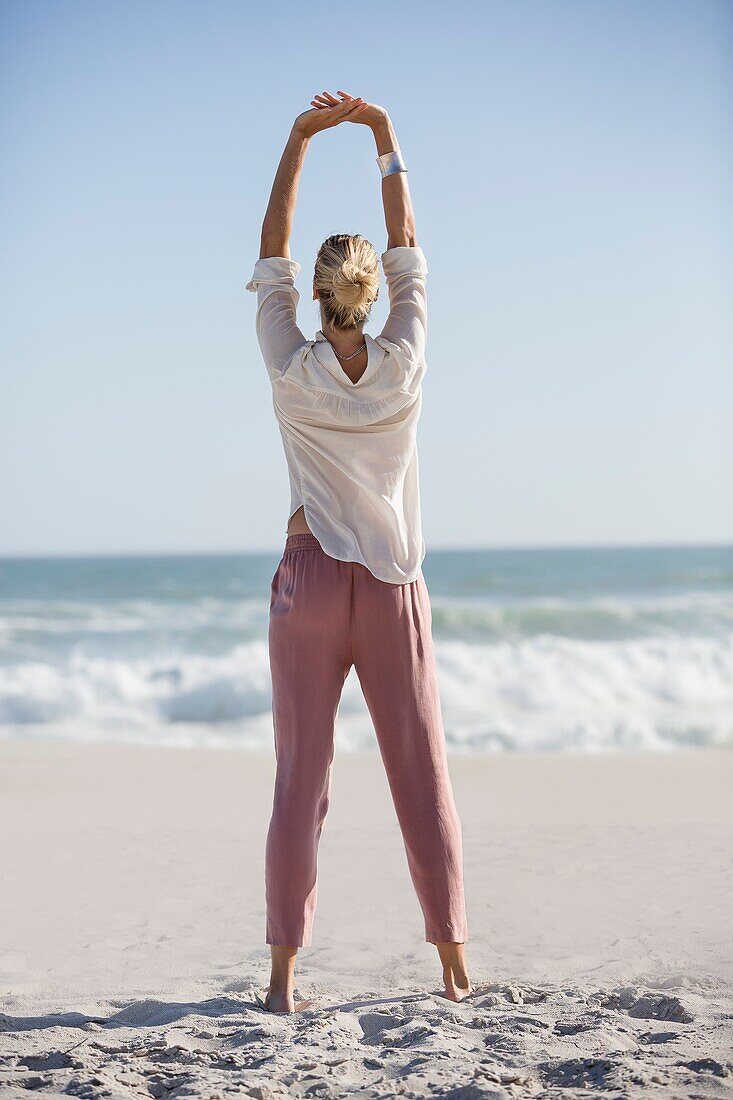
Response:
column 349, row 588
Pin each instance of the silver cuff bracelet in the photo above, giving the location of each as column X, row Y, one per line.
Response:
column 391, row 162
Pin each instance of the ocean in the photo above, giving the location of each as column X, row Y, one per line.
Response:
column 577, row 650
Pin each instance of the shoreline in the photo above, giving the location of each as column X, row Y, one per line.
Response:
column 226, row 744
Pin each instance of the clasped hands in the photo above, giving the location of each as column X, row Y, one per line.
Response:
column 328, row 111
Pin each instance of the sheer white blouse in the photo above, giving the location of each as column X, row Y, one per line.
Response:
column 351, row 447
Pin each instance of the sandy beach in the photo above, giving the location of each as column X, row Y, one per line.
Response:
column 599, row 890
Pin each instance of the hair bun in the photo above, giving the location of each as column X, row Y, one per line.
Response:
column 347, row 279
column 351, row 287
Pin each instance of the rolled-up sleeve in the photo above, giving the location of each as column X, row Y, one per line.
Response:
column 273, row 281
column 405, row 269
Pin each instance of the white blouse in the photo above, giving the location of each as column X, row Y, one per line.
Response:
column 351, row 447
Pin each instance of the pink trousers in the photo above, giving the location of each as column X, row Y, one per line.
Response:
column 325, row 616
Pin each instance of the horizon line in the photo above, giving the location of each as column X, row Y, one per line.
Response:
column 467, row 549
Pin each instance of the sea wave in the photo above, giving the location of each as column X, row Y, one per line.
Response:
column 601, row 618
column 215, row 625
column 542, row 693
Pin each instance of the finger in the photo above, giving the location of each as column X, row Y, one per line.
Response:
column 322, row 100
column 349, row 105
column 344, row 110
column 331, row 99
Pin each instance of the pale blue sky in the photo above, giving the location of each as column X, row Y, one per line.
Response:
column 571, row 165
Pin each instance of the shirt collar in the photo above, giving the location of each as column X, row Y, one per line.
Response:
column 327, row 356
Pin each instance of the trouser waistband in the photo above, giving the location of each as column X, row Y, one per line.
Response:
column 303, row 541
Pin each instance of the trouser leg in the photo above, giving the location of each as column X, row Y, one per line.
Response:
column 395, row 660
column 309, row 644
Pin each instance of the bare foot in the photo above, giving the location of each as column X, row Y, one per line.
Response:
column 281, row 994
column 457, row 985
column 282, row 1003
column 455, row 972
column 279, row 1002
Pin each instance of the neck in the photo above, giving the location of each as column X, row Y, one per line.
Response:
column 343, row 341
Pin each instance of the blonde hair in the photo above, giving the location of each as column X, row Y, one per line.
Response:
column 347, row 280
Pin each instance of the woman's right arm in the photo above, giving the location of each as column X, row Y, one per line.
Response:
column 398, row 212
column 403, row 263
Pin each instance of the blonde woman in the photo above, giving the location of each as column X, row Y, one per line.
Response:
column 349, row 588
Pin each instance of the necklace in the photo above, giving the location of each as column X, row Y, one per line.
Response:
column 347, row 357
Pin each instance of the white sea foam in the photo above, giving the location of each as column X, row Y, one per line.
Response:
column 553, row 693
column 541, row 693
column 566, row 650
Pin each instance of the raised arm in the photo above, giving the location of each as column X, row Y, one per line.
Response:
column 273, row 279
column 278, row 224
column 398, row 212
column 403, row 263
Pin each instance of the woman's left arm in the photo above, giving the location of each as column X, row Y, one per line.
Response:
column 274, row 275
column 278, row 223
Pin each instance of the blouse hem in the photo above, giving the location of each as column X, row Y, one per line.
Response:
column 323, row 539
